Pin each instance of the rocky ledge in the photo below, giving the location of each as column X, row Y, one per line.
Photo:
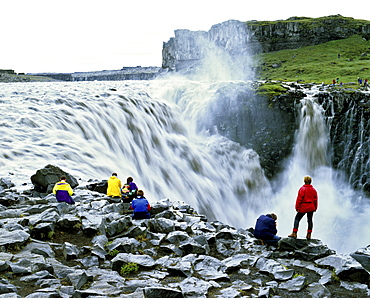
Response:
column 95, row 249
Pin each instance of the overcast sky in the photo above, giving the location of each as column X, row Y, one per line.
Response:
column 89, row 35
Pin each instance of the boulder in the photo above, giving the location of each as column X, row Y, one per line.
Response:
column 45, row 179
column 5, row 183
column 155, row 292
column 362, row 256
column 346, row 267
column 100, row 187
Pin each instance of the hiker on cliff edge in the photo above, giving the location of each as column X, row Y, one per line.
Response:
column 265, row 229
column 306, row 203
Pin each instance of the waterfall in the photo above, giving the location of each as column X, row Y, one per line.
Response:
column 140, row 129
column 153, row 131
column 341, row 220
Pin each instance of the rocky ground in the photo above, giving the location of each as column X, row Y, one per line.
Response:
column 95, row 249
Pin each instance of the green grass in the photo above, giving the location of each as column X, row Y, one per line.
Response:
column 319, row 63
column 310, row 23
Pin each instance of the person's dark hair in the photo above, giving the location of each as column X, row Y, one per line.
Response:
column 63, row 177
column 140, row 192
column 114, row 174
column 273, row 216
column 129, row 179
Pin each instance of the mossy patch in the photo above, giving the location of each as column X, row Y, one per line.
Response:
column 271, row 90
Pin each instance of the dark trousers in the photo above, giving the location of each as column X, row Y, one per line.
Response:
column 141, row 215
column 298, row 218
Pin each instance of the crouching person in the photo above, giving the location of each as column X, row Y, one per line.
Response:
column 63, row 191
column 265, row 229
column 141, row 206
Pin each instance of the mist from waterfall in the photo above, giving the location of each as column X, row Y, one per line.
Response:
column 91, row 129
column 341, row 220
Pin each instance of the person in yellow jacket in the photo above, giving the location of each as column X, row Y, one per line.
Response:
column 114, row 186
column 63, row 191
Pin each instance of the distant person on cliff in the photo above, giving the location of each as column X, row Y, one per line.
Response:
column 63, row 191
column 306, row 203
column 141, row 206
column 265, row 229
column 114, row 186
column 129, row 190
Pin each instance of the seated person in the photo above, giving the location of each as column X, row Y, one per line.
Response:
column 265, row 229
column 129, row 190
column 114, row 186
column 63, row 191
column 141, row 206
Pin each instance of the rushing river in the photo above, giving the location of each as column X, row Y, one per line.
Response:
column 150, row 130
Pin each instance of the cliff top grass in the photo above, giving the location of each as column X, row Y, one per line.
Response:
column 315, row 22
column 346, row 59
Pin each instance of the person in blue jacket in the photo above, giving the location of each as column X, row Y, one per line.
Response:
column 141, row 206
column 265, row 229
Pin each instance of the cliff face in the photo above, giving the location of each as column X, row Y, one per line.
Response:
column 348, row 117
column 240, row 38
column 126, row 73
column 296, row 33
column 269, row 126
column 188, row 48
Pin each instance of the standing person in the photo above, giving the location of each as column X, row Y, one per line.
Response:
column 141, row 206
column 265, row 229
column 63, row 191
column 114, row 186
column 306, row 203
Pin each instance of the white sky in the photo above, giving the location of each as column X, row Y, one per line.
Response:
column 89, row 35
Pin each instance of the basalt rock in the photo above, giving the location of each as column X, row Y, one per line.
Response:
column 45, row 179
column 94, row 249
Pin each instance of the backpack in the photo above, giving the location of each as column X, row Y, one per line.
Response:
column 125, row 190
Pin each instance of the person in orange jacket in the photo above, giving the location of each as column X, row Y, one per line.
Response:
column 306, row 203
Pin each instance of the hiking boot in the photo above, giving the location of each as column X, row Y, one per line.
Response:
column 293, row 235
column 308, row 236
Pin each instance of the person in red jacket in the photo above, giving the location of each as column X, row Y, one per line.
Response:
column 306, row 203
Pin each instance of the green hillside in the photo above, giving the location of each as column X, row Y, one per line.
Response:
column 319, row 63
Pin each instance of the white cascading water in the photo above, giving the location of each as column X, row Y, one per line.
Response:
column 90, row 130
column 341, row 220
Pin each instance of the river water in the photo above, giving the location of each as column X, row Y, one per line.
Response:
column 150, row 130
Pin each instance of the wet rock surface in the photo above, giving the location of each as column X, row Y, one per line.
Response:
column 95, row 249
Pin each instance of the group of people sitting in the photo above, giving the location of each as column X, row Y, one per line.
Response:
column 129, row 193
